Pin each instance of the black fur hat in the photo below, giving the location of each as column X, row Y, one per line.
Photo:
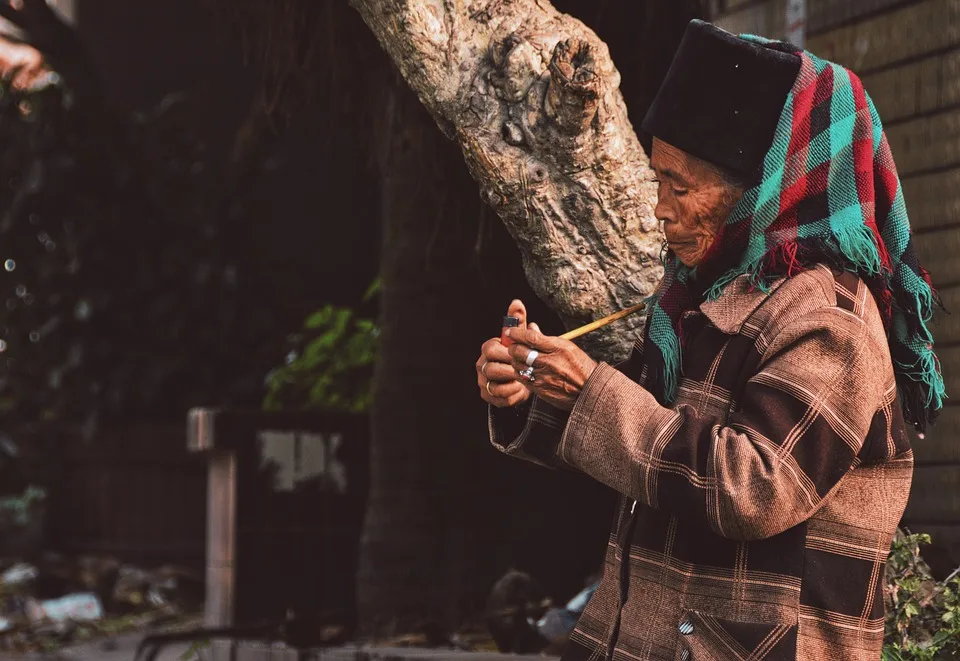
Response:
column 722, row 98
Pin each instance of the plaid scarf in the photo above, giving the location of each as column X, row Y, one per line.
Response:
column 828, row 193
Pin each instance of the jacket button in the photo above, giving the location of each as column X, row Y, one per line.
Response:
column 684, row 654
column 686, row 627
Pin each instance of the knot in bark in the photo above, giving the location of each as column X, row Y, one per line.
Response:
column 575, row 88
column 513, row 134
column 517, row 66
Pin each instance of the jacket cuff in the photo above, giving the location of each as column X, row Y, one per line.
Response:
column 530, row 432
column 593, row 438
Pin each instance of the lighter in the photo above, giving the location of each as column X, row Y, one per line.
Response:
column 508, row 322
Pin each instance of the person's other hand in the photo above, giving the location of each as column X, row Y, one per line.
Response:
column 496, row 378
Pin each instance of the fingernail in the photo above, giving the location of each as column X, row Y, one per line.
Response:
column 507, row 332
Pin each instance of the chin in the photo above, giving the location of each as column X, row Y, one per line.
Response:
column 687, row 260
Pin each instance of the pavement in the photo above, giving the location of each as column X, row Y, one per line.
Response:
column 123, row 648
column 116, row 648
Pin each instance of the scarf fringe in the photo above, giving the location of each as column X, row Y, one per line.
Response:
column 921, row 388
column 671, row 372
column 857, row 246
column 665, row 372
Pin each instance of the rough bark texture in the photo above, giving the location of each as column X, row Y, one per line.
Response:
column 532, row 97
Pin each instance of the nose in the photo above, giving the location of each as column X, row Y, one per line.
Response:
column 662, row 211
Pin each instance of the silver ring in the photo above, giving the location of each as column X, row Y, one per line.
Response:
column 483, row 369
column 532, row 357
column 528, row 374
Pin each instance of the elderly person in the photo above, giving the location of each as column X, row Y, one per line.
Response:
column 757, row 433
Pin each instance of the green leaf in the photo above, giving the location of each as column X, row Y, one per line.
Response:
column 333, row 370
column 372, row 290
column 891, row 653
column 320, row 318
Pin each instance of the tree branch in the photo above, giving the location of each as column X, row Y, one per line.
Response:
column 532, row 97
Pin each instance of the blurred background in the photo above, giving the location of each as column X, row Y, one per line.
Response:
column 245, row 281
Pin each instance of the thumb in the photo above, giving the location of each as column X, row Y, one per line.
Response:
column 519, row 310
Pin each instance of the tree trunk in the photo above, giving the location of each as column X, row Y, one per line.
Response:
column 447, row 514
column 532, row 97
column 402, row 535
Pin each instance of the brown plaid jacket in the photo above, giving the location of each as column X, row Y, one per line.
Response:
column 758, row 511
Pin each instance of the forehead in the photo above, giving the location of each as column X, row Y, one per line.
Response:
column 673, row 163
column 666, row 156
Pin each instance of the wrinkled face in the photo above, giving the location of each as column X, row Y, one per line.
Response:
column 694, row 201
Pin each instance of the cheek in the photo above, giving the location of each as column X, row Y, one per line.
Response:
column 699, row 210
column 687, row 216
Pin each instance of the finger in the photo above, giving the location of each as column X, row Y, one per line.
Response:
column 532, row 326
column 500, row 393
column 25, row 79
column 500, row 372
column 519, row 310
column 518, row 365
column 521, row 354
column 494, row 352
column 521, row 372
column 12, row 73
column 532, row 338
column 520, row 396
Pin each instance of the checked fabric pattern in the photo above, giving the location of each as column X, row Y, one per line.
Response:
column 828, row 193
column 758, row 509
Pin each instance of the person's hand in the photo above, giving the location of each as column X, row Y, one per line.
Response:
column 496, row 377
column 22, row 65
column 560, row 368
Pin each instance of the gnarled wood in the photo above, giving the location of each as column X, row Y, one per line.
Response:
column 532, row 97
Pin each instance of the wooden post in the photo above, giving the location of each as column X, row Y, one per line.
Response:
column 286, row 496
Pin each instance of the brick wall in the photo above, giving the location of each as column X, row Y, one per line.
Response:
column 908, row 54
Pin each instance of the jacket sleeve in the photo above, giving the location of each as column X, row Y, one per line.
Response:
column 802, row 419
column 531, row 431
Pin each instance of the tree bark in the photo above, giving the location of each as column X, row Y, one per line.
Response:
column 403, row 574
column 532, row 97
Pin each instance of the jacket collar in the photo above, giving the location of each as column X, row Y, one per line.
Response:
column 740, row 299
column 736, row 303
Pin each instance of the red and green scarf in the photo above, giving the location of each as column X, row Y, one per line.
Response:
column 829, row 194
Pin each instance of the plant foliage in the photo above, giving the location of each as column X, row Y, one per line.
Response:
column 330, row 365
column 922, row 614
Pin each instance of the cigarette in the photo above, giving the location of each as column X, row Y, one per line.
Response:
column 600, row 323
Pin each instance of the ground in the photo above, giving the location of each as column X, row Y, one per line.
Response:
column 118, row 648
